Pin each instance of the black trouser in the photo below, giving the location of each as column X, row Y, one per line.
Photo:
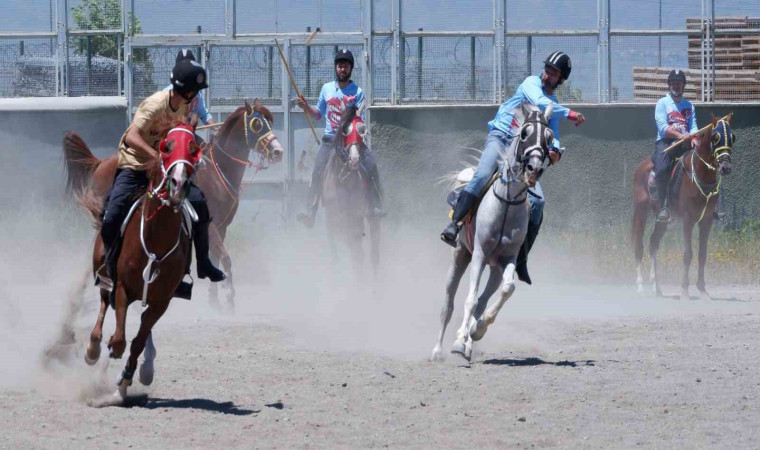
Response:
column 663, row 164
column 368, row 165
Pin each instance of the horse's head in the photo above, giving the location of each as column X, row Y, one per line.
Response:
column 352, row 132
column 180, row 156
column 721, row 142
column 534, row 139
column 258, row 132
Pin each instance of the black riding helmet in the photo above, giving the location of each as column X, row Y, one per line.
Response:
column 345, row 54
column 677, row 75
column 187, row 75
column 561, row 62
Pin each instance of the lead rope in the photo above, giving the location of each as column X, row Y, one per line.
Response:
column 695, row 180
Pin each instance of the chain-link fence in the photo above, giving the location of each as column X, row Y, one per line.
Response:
column 410, row 51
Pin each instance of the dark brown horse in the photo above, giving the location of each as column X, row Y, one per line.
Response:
column 155, row 249
column 345, row 193
column 699, row 176
column 220, row 178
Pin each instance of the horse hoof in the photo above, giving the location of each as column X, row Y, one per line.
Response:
column 468, row 351
column 459, row 348
column 122, row 390
column 438, row 355
column 92, row 355
column 146, row 373
column 478, row 330
column 704, row 296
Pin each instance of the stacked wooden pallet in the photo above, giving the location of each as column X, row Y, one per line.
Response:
column 651, row 83
column 737, row 64
column 739, row 51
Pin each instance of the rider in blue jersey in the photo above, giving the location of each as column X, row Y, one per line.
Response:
column 538, row 90
column 676, row 119
column 334, row 97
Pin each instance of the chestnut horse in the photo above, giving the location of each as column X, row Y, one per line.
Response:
column 155, row 249
column 345, row 193
column 226, row 157
column 699, row 173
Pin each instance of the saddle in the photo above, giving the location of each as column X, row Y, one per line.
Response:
column 102, row 280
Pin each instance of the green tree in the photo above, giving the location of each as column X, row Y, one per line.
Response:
column 102, row 15
column 566, row 93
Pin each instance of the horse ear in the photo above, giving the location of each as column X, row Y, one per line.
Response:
column 730, row 116
column 713, row 119
column 248, row 106
column 256, row 103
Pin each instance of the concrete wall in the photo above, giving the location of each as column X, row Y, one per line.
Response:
column 591, row 185
column 31, row 136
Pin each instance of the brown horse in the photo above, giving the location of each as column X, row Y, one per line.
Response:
column 155, row 249
column 226, row 158
column 699, row 173
column 345, row 193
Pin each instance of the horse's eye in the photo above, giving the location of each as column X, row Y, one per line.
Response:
column 168, row 146
column 361, row 128
column 526, row 131
column 716, row 138
column 194, row 148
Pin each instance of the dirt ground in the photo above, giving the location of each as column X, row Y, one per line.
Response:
column 563, row 367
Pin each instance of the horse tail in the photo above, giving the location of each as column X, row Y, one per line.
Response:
column 93, row 203
column 80, row 163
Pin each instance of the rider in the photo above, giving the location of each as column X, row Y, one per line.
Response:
column 333, row 100
column 538, row 90
column 676, row 119
column 138, row 146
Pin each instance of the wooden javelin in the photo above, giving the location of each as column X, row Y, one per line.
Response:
column 213, row 125
column 691, row 135
column 295, row 88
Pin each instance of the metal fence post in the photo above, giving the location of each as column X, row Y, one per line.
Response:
column 499, row 49
column 230, row 20
column 367, row 59
column 712, row 50
column 419, row 67
column 396, row 25
column 126, row 14
column 603, row 51
column 62, row 22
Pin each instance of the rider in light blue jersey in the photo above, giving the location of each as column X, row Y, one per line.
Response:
column 538, row 90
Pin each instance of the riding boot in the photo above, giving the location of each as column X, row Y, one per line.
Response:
column 112, row 250
column 376, row 198
column 308, row 216
column 203, row 264
column 662, row 193
column 464, row 205
column 521, row 268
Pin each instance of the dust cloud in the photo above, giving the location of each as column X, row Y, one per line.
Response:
column 284, row 274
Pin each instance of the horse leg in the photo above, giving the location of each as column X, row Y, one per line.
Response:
column 462, row 259
column 494, row 280
column 149, row 318
column 146, row 368
column 219, row 251
column 637, row 235
column 507, row 289
column 92, row 355
column 374, row 244
column 118, row 343
column 654, row 246
column 704, row 234
column 463, row 344
column 688, row 227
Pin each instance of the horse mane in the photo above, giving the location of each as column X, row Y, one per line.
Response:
column 347, row 116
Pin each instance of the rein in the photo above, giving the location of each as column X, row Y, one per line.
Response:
column 707, row 190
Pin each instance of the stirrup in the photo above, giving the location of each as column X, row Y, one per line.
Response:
column 664, row 215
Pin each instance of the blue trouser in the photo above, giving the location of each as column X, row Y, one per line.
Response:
column 368, row 165
column 496, row 145
column 662, row 163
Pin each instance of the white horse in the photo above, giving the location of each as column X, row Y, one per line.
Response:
column 495, row 231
